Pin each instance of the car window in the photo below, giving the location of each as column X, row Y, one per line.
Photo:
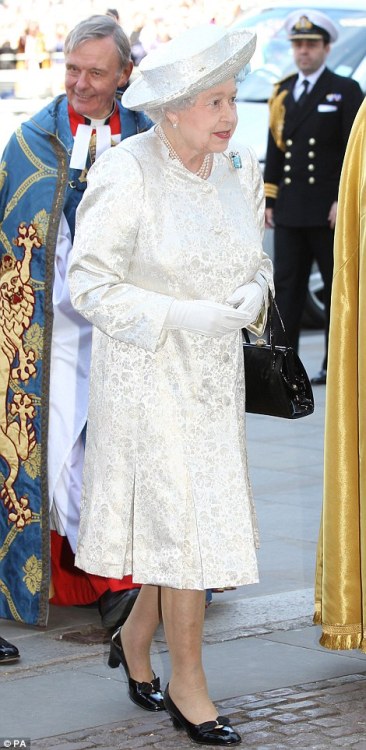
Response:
column 349, row 51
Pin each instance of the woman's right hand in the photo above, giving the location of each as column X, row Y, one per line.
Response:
column 205, row 317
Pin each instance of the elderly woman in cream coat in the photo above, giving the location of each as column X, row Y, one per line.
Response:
column 168, row 266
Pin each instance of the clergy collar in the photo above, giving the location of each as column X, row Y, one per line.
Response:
column 76, row 119
column 92, row 136
column 96, row 123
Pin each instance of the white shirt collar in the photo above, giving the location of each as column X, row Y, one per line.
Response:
column 312, row 78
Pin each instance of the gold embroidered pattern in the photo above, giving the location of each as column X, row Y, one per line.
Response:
column 33, row 463
column 33, row 574
column 40, row 222
column 17, row 435
column 3, row 174
column 42, row 172
column 34, row 338
column 13, row 610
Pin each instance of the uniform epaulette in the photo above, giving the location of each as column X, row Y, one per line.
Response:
column 277, row 111
column 278, row 85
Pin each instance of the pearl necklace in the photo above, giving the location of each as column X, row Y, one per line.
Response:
column 206, row 165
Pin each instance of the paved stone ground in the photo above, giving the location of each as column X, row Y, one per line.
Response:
column 316, row 716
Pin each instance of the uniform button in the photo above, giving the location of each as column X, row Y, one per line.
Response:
column 289, row 142
column 311, row 180
column 311, row 167
column 288, row 155
column 287, row 168
column 311, row 141
column 287, row 180
column 311, row 154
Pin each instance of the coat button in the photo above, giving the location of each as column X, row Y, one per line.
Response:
column 289, row 142
column 311, row 154
column 311, row 180
column 311, row 167
column 288, row 155
column 287, row 180
column 311, row 141
column 287, row 168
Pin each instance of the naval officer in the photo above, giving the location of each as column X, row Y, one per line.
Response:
column 311, row 115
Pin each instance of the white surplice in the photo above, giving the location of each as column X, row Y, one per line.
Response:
column 68, row 403
column 70, row 363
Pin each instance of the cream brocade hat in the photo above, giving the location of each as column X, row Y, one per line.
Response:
column 188, row 64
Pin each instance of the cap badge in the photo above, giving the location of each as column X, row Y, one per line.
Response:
column 303, row 24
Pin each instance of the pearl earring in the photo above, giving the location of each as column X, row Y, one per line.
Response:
column 175, row 124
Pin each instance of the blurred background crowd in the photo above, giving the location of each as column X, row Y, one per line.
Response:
column 36, row 30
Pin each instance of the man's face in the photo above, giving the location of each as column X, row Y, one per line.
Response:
column 309, row 54
column 93, row 73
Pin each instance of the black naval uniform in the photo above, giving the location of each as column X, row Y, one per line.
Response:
column 305, row 151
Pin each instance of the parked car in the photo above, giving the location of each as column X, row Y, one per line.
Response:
column 273, row 61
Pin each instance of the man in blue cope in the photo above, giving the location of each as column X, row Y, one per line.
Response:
column 311, row 115
column 44, row 343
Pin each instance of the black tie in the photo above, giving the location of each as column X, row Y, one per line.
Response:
column 303, row 94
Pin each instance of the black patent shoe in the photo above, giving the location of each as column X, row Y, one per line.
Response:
column 147, row 695
column 8, row 652
column 219, row 732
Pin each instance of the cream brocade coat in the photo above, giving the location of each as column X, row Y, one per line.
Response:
column 166, row 492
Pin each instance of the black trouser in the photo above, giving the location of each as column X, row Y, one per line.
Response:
column 295, row 249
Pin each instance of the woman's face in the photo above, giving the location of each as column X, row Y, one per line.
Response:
column 209, row 124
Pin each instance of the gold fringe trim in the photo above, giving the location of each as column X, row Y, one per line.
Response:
column 340, row 637
column 349, row 629
column 342, row 642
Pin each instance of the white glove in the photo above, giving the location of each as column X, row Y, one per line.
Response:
column 249, row 298
column 204, row 317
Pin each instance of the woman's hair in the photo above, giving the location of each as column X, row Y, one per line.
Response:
column 159, row 114
column 98, row 27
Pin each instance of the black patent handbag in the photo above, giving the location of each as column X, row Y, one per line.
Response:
column 276, row 381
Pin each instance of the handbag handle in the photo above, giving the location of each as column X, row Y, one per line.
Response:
column 273, row 306
column 272, row 335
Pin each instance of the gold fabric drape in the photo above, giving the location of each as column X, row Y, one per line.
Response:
column 341, row 561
